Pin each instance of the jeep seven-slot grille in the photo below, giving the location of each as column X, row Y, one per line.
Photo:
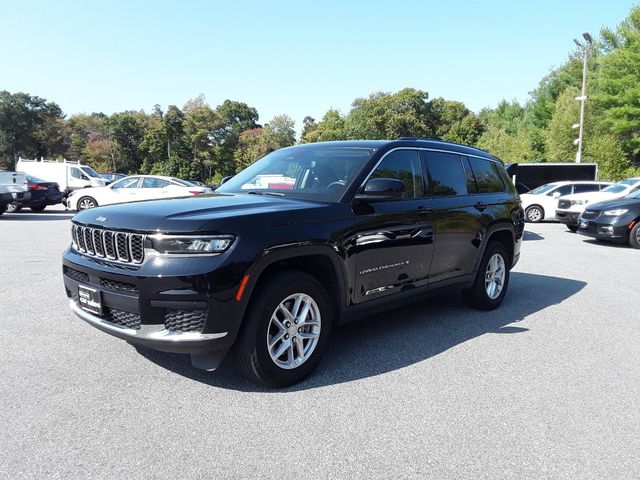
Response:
column 119, row 246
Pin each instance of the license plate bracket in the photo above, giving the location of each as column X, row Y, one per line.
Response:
column 90, row 299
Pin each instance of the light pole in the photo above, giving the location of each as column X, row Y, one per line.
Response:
column 586, row 48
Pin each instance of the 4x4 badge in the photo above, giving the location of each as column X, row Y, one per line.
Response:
column 101, row 219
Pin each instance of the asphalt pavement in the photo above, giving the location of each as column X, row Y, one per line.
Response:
column 547, row 386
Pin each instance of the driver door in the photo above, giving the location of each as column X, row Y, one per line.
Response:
column 394, row 238
column 125, row 190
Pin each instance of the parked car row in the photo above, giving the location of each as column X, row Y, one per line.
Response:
column 603, row 210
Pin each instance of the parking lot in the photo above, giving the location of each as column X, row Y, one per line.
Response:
column 544, row 387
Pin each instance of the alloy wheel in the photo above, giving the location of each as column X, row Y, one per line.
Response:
column 293, row 331
column 495, row 276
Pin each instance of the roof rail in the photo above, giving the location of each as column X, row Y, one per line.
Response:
column 44, row 160
column 419, row 138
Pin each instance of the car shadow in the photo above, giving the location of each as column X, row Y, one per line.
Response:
column 527, row 236
column 606, row 243
column 402, row 337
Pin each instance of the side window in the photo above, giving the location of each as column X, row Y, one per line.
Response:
column 487, row 175
column 76, row 173
column 154, row 183
column 563, row 190
column 585, row 187
column 129, row 182
column 402, row 165
column 446, row 175
column 468, row 173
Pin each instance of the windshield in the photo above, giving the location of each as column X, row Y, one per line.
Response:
column 90, row 171
column 542, row 189
column 635, row 194
column 315, row 173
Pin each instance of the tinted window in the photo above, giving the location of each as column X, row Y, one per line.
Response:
column 487, row 175
column 446, row 175
column 585, row 187
column 468, row 173
column 402, row 165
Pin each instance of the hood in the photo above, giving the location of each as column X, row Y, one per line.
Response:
column 188, row 214
column 616, row 203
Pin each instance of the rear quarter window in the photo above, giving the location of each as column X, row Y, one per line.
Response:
column 487, row 175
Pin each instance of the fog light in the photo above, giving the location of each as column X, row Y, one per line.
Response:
column 606, row 229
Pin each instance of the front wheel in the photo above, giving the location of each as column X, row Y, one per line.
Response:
column 285, row 330
column 492, row 279
column 86, row 202
column 39, row 208
column 534, row 214
column 13, row 208
column 634, row 236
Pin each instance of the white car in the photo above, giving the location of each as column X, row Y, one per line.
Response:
column 571, row 206
column 134, row 188
column 540, row 203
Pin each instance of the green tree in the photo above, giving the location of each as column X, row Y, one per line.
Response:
column 30, row 126
column 331, row 127
column 280, row 132
column 453, row 121
column 618, row 83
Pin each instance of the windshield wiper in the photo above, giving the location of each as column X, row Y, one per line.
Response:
column 273, row 194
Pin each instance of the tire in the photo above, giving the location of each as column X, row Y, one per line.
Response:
column 265, row 320
column 534, row 214
column 86, row 202
column 573, row 228
column 480, row 295
column 13, row 208
column 634, row 236
column 39, row 208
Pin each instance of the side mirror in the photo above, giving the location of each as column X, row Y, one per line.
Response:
column 225, row 179
column 556, row 195
column 382, row 189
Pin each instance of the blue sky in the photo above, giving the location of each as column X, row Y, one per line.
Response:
column 299, row 58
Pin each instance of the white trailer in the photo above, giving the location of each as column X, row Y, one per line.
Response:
column 69, row 175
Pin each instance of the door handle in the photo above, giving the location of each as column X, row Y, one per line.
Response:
column 480, row 206
column 425, row 211
column 424, row 232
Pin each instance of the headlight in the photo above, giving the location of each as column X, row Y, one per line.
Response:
column 579, row 202
column 616, row 211
column 187, row 244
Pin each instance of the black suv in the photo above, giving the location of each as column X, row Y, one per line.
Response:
column 305, row 238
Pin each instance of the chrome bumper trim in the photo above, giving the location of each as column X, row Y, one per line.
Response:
column 156, row 333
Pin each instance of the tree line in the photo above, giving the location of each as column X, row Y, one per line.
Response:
column 199, row 142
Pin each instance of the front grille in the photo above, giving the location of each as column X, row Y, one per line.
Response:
column 120, row 287
column 122, row 318
column 590, row 214
column 97, row 242
column 184, row 320
column 564, row 203
column 75, row 274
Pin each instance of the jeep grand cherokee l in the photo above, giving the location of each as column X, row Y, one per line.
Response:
column 344, row 229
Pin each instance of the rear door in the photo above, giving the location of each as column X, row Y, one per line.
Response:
column 394, row 239
column 461, row 215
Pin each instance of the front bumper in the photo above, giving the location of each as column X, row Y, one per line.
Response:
column 568, row 217
column 168, row 304
column 610, row 228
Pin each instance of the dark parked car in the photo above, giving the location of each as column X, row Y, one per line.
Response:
column 42, row 194
column 615, row 220
column 334, row 231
